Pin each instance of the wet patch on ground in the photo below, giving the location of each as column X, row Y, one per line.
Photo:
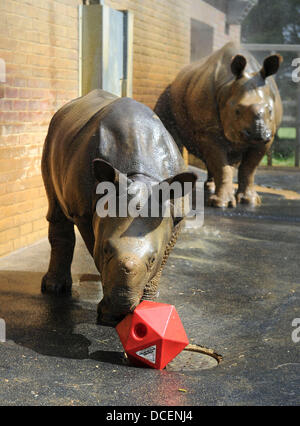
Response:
column 235, row 284
column 192, row 361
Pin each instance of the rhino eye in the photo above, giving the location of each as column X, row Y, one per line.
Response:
column 152, row 260
column 108, row 249
column 237, row 112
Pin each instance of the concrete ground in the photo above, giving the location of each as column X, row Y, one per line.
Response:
column 235, row 284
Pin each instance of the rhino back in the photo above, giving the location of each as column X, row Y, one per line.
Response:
column 193, row 97
column 120, row 130
column 134, row 140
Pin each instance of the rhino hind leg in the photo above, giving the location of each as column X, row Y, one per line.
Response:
column 58, row 279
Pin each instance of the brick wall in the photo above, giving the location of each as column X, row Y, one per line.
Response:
column 39, row 43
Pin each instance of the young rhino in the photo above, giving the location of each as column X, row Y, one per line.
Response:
column 97, row 139
column 226, row 110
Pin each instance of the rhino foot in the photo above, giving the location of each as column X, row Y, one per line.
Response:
column 58, row 285
column 248, row 197
column 210, row 187
column 222, row 201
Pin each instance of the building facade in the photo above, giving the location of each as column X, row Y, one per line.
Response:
column 41, row 69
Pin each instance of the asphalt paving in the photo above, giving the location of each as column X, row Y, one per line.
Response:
column 235, row 284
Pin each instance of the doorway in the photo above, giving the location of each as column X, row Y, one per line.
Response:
column 105, row 37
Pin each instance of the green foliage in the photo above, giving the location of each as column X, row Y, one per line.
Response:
column 287, row 133
column 283, row 148
column 279, row 161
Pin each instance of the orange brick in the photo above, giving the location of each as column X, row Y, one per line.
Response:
column 26, row 229
column 9, row 234
column 6, row 224
column 11, row 92
column 6, row 248
column 20, row 105
column 39, row 224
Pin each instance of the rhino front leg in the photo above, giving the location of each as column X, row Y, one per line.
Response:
column 58, row 279
column 246, row 193
column 218, row 167
column 209, row 185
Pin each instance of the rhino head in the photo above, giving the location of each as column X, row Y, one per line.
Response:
column 248, row 111
column 130, row 252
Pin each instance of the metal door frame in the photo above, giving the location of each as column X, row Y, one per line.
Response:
column 98, row 13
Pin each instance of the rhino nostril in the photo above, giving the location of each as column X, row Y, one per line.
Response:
column 246, row 133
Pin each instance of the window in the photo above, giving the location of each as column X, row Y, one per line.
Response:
column 201, row 40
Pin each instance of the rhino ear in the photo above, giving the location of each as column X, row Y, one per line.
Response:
column 183, row 178
column 271, row 65
column 238, row 65
column 104, row 171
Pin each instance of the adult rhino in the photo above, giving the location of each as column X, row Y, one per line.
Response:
column 95, row 139
column 225, row 109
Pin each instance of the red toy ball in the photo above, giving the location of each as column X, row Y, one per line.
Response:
column 152, row 335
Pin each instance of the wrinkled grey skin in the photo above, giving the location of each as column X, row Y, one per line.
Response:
column 111, row 136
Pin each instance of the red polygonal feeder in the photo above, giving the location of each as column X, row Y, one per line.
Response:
column 152, row 335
